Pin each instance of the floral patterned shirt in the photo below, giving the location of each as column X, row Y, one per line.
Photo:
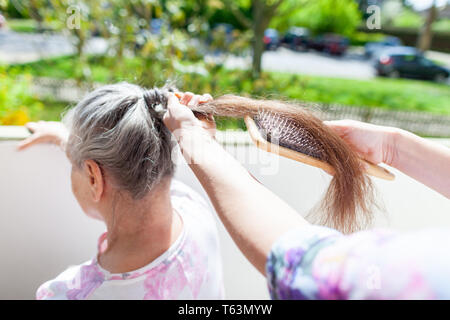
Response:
column 190, row 269
column 315, row 262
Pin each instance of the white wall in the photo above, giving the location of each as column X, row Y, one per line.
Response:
column 42, row 229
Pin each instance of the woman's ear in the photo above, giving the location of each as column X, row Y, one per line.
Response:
column 95, row 179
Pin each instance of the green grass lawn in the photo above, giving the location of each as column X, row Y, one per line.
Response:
column 65, row 68
column 394, row 94
column 31, row 26
column 22, row 25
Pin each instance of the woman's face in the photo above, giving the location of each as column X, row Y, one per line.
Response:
column 82, row 192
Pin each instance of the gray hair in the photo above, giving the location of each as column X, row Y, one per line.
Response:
column 120, row 127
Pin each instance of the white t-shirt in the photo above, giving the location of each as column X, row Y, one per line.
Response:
column 190, row 269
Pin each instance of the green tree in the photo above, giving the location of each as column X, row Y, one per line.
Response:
column 320, row 16
column 426, row 32
column 262, row 12
column 121, row 22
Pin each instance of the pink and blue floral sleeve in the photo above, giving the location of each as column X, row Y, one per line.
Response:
column 320, row 263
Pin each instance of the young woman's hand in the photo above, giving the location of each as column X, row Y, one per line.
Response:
column 373, row 143
column 179, row 118
column 45, row 132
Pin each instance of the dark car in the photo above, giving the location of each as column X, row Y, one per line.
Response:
column 402, row 50
column 296, row 38
column 409, row 64
column 271, row 39
column 371, row 48
column 330, row 43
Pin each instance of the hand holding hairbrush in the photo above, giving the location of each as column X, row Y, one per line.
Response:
column 294, row 143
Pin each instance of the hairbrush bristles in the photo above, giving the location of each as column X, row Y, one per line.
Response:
column 288, row 133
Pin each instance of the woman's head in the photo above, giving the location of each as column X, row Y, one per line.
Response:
column 117, row 132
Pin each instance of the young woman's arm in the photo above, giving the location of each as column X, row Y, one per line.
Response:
column 423, row 160
column 254, row 216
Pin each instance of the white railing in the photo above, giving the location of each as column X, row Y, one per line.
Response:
column 42, row 229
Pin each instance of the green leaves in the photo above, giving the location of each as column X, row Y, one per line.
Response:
column 17, row 104
column 320, row 16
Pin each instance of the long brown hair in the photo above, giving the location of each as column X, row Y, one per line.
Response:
column 349, row 199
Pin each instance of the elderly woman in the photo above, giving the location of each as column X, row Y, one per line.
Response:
column 161, row 240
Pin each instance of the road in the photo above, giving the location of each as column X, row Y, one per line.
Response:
column 28, row 47
column 353, row 65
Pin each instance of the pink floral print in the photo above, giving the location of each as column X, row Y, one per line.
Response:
column 319, row 263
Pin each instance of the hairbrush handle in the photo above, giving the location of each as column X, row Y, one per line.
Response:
column 260, row 142
column 377, row 171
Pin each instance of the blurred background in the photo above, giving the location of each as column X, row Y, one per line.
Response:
column 380, row 61
column 385, row 62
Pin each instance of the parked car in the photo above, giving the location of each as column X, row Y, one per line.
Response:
column 296, row 38
column 371, row 48
column 330, row 43
column 271, row 39
column 409, row 63
column 395, row 50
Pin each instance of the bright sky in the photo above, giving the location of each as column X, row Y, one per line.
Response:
column 425, row 4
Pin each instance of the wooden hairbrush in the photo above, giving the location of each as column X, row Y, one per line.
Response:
column 293, row 140
column 294, row 143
